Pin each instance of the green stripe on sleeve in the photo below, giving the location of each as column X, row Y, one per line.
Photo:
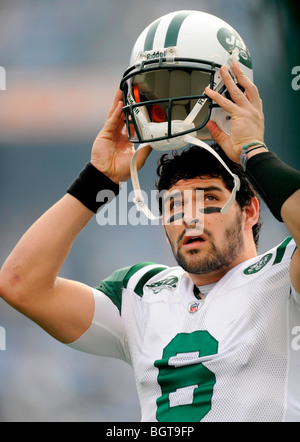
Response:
column 135, row 269
column 140, row 285
column 281, row 250
column 114, row 284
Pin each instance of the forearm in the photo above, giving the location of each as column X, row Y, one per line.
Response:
column 275, row 181
column 35, row 262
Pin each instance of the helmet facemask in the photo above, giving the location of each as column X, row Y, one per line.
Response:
column 159, row 99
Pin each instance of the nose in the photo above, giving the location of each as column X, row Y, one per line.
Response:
column 192, row 225
column 192, row 216
column 189, row 220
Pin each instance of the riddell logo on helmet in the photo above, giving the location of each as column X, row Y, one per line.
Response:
column 156, row 54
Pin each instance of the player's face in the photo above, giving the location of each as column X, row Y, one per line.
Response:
column 203, row 240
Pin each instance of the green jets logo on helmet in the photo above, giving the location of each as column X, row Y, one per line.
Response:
column 231, row 40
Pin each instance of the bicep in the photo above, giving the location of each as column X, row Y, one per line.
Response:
column 65, row 312
column 81, row 317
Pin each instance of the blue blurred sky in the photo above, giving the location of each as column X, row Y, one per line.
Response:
column 63, row 61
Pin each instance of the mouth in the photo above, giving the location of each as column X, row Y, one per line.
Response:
column 193, row 240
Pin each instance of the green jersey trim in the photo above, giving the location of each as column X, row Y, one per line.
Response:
column 281, row 250
column 114, row 284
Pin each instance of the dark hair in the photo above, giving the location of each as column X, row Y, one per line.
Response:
column 195, row 161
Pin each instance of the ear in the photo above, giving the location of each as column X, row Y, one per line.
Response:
column 251, row 213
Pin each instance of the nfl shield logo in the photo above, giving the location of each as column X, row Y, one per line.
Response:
column 194, row 306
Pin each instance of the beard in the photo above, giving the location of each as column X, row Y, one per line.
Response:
column 218, row 258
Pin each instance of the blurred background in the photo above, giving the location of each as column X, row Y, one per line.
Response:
column 63, row 61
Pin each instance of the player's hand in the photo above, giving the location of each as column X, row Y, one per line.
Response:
column 112, row 151
column 246, row 114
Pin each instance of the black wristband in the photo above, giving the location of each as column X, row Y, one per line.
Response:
column 274, row 180
column 87, row 186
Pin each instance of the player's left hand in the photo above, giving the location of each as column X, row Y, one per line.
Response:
column 246, row 111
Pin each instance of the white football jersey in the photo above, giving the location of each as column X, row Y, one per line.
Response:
column 234, row 357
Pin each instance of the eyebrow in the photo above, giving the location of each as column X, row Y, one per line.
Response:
column 175, row 194
column 209, row 188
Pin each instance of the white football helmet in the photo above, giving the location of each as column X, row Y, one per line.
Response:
column 172, row 62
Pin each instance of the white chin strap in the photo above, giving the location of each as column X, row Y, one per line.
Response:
column 139, row 199
column 156, row 130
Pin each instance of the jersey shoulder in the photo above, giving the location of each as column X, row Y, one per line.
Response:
column 133, row 278
column 282, row 252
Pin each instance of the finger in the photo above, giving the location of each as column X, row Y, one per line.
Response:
column 118, row 97
column 250, row 88
column 235, row 93
column 222, row 139
column 117, row 117
column 223, row 102
column 217, row 134
column 115, row 123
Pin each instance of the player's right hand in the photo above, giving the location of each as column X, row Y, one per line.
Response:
column 112, row 151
